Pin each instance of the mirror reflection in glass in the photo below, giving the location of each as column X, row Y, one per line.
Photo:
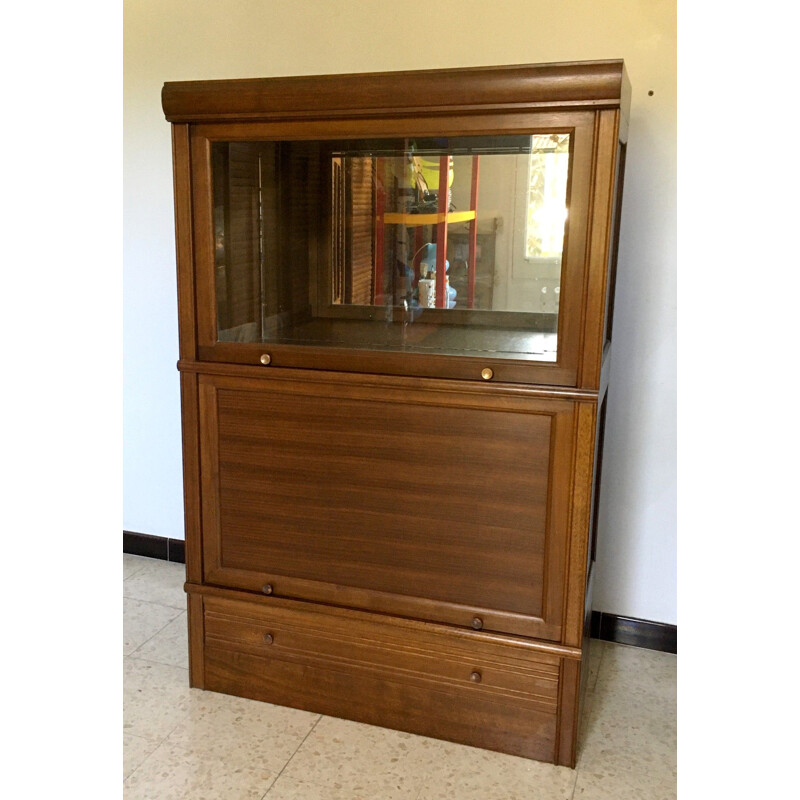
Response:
column 448, row 245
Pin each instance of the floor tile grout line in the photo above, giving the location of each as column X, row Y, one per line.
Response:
column 289, row 760
column 160, row 663
column 151, row 754
column 152, row 602
column 160, row 630
column 574, row 784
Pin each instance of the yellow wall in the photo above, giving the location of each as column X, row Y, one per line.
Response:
column 167, row 40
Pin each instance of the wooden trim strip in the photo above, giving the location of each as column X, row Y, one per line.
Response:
column 580, row 508
column 184, row 251
column 599, row 242
column 223, row 369
column 568, row 704
column 192, row 511
column 535, row 645
column 590, row 84
column 387, row 603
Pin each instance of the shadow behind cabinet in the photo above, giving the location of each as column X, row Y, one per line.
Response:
column 395, row 297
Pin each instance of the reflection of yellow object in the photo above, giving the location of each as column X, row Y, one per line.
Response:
column 430, row 171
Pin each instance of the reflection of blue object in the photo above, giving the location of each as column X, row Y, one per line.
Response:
column 428, row 261
column 451, row 297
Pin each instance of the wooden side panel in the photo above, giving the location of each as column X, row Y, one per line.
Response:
column 184, row 250
column 568, row 708
column 399, row 503
column 192, row 513
column 606, row 146
column 580, row 506
column 614, row 246
column 424, row 680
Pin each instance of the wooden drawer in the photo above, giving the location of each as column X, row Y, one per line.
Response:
column 474, row 688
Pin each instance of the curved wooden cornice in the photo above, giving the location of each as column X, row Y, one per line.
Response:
column 589, row 84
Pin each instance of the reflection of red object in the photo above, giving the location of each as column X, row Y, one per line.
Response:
column 441, row 233
column 472, row 258
column 438, row 220
column 417, row 253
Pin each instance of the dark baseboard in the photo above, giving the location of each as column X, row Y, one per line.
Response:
column 609, row 627
column 143, row 544
column 636, row 632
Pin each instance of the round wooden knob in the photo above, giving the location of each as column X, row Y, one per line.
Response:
column 477, row 623
column 266, row 358
column 475, row 676
column 267, row 588
column 268, row 638
column 487, row 374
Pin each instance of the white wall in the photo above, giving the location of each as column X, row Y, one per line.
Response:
column 167, row 40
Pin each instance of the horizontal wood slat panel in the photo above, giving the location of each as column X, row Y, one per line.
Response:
column 424, row 474
column 424, row 678
column 305, row 635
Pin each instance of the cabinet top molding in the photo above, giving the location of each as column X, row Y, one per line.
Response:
column 571, row 85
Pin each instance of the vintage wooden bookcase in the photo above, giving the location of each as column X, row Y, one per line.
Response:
column 395, row 299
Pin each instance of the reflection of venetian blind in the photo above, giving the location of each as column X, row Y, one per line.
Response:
column 242, row 236
column 550, row 142
column 338, row 231
column 547, row 192
column 301, row 209
column 360, row 175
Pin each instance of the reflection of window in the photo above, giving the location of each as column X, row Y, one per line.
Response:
column 547, row 196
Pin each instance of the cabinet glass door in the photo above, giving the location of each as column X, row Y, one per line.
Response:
column 448, row 245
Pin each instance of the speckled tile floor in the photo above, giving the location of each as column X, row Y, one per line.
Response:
column 186, row 743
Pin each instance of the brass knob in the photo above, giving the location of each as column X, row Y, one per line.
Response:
column 268, row 638
column 266, row 358
column 487, row 374
column 475, row 676
column 267, row 588
column 477, row 623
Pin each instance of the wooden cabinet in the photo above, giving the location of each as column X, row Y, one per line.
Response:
column 395, row 294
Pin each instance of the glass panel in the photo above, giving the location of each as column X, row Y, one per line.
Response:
column 448, row 245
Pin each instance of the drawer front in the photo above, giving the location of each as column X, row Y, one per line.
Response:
column 425, row 679
column 441, row 506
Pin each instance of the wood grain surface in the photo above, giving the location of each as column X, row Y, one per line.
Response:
column 497, row 696
column 394, row 495
column 384, row 535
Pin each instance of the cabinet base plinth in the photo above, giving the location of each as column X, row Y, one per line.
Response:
column 472, row 688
